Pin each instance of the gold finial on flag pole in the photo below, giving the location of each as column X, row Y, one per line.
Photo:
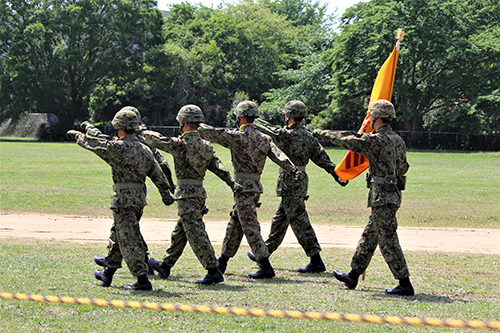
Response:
column 400, row 35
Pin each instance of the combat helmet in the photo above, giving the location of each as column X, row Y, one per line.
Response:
column 246, row 109
column 190, row 114
column 295, row 109
column 125, row 119
column 134, row 110
column 382, row 108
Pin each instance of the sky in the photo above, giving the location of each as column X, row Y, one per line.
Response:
column 342, row 5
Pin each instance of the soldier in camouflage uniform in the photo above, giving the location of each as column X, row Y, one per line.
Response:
column 300, row 146
column 386, row 152
column 192, row 157
column 91, row 130
column 131, row 162
column 249, row 149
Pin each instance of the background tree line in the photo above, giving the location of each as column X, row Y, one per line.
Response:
column 85, row 59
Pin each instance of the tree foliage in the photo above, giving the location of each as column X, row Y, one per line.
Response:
column 56, row 52
column 88, row 58
column 449, row 61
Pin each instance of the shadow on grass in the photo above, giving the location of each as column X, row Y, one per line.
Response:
column 418, row 297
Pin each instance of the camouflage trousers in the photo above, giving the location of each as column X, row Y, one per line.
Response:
column 126, row 241
column 191, row 228
column 381, row 231
column 292, row 211
column 244, row 221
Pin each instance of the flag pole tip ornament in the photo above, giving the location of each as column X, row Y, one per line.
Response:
column 400, row 35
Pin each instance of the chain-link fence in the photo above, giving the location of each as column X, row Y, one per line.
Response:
column 414, row 140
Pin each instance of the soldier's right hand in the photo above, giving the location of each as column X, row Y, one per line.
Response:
column 85, row 125
column 317, row 133
column 167, row 198
column 71, row 134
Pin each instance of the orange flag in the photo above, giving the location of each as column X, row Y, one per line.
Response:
column 353, row 164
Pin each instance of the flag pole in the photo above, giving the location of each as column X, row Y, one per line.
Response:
column 377, row 92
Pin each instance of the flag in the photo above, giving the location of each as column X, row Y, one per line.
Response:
column 353, row 164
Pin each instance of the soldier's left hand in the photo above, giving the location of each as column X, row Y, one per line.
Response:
column 167, row 198
column 340, row 181
column 236, row 187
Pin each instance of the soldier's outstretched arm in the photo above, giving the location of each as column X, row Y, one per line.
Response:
column 157, row 140
column 91, row 130
column 217, row 135
column 360, row 144
column 96, row 145
column 266, row 127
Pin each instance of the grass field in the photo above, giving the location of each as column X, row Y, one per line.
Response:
column 445, row 189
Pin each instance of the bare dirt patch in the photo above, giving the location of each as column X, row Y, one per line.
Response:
column 96, row 229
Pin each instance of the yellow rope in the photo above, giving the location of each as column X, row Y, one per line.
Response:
column 334, row 316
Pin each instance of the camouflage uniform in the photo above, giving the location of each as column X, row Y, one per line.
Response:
column 131, row 162
column 300, row 146
column 382, row 147
column 249, row 149
column 93, row 131
column 192, row 157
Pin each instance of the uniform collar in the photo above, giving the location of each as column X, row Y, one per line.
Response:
column 295, row 125
column 185, row 133
column 242, row 126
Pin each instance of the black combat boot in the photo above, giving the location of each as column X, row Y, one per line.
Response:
column 141, row 284
column 350, row 279
column 265, row 271
column 404, row 288
column 159, row 266
column 223, row 259
column 101, row 261
column 105, row 276
column 315, row 266
column 251, row 256
column 214, row 275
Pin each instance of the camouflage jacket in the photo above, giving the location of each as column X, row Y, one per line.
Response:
column 382, row 152
column 162, row 161
column 249, row 149
column 131, row 162
column 300, row 146
column 192, row 157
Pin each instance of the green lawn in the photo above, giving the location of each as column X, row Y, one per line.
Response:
column 447, row 286
column 445, row 189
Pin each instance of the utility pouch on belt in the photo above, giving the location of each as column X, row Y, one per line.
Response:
column 390, row 182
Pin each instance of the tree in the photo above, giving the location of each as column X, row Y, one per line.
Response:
column 449, row 60
column 210, row 54
column 56, row 52
column 299, row 12
column 309, row 82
